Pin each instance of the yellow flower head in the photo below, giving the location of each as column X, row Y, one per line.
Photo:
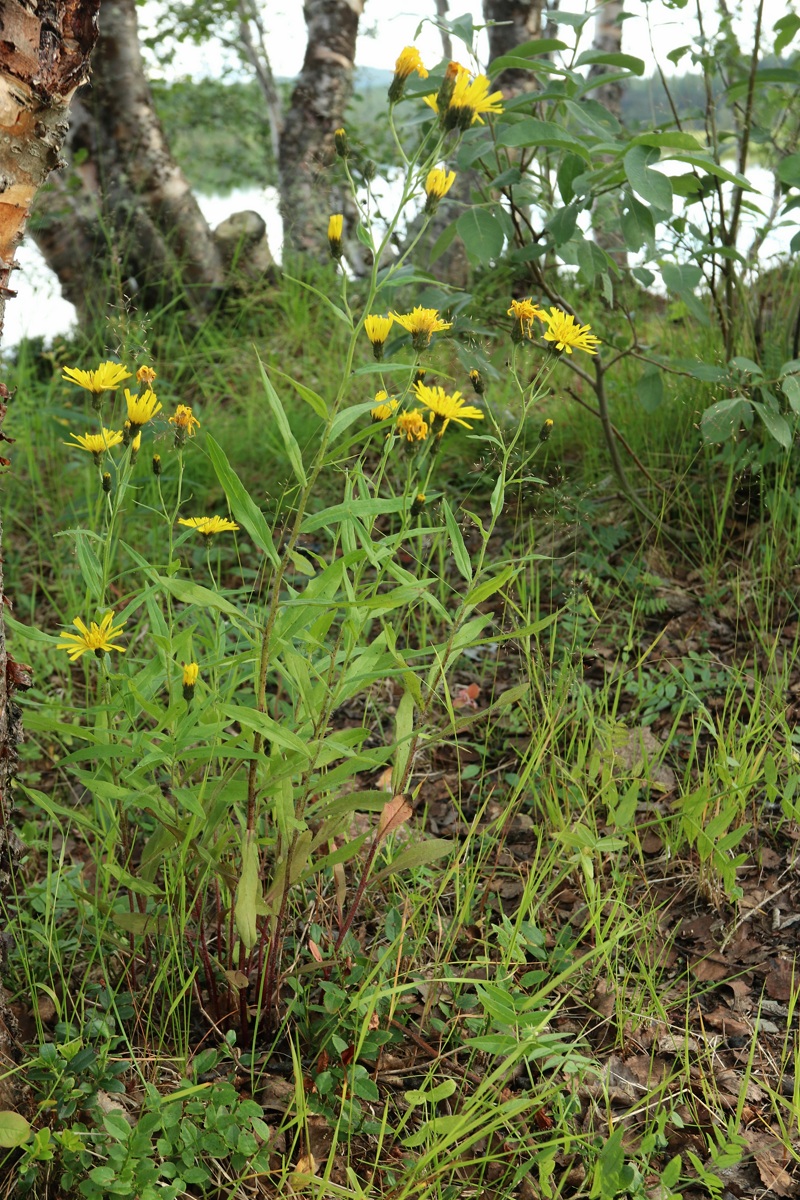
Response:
column 184, row 421
column 412, row 425
column 208, row 526
column 377, row 330
column 437, row 185
column 141, row 409
column 526, row 312
column 335, row 229
column 478, row 382
column 447, row 407
column 407, row 61
column 384, row 406
column 469, row 100
column 421, row 324
column 98, row 638
column 146, row 375
column 566, row 333
column 96, row 443
column 107, row 377
column 191, row 672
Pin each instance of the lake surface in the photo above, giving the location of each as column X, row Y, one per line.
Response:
column 41, row 311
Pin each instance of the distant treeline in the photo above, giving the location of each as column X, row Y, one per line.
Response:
column 218, row 132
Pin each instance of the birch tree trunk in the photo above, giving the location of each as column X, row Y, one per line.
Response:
column 608, row 40
column 316, row 109
column 44, row 55
column 134, row 219
column 522, row 22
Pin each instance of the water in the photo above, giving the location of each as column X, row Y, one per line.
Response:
column 41, row 311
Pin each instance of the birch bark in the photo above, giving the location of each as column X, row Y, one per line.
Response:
column 44, row 56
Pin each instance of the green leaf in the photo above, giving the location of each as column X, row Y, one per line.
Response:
column 312, row 398
column 525, row 50
column 14, row 1129
column 339, row 513
column 650, row 389
column 723, row 419
column 611, row 1175
column 460, row 552
column 440, row 1092
column 276, row 733
column 534, row 133
column 789, row 170
column 243, row 507
column 562, row 224
column 785, row 28
column 289, row 440
column 652, row 186
column 482, row 234
column 490, row 586
column 638, row 226
column 776, row 425
column 790, row 387
column 572, row 165
column 340, row 313
column 418, row 854
column 613, row 59
column 248, row 893
column 193, row 593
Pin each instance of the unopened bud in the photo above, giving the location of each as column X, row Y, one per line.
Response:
column 341, row 143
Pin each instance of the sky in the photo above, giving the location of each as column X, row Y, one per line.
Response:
column 388, row 25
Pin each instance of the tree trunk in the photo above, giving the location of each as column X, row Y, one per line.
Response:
column 608, row 40
column 134, row 221
column 522, row 23
column 316, row 110
column 44, row 54
column 442, row 7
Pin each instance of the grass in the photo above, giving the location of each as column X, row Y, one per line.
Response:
column 599, row 772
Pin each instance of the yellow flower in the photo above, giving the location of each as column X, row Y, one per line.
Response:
column 563, row 329
column 146, row 375
column 526, row 312
column 470, row 99
column 335, row 228
column 107, row 377
column 421, row 324
column 408, row 60
column 184, row 421
column 437, row 185
column 448, row 408
column 190, row 674
column 141, row 409
column 377, row 330
column 191, row 671
column 384, row 406
column 413, row 425
column 208, row 526
column 440, row 101
column 98, row 638
column 477, row 380
column 96, row 443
